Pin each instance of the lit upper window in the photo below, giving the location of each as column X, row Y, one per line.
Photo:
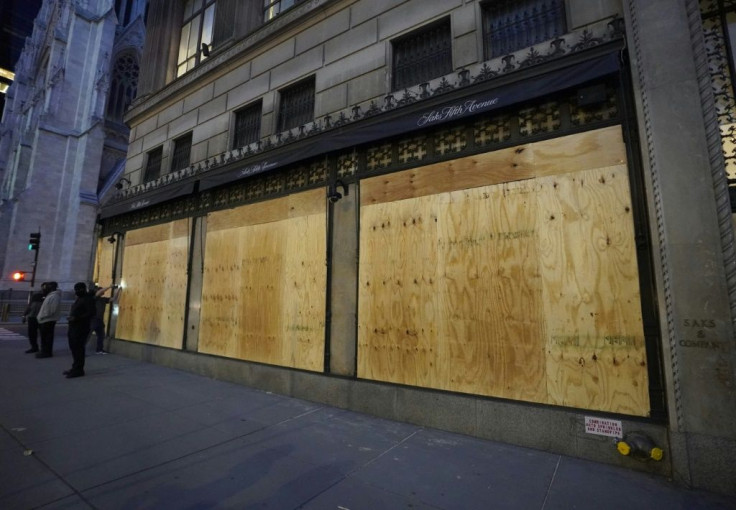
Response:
column 272, row 8
column 196, row 34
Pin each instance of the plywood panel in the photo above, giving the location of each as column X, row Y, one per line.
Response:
column 103, row 262
column 525, row 290
column 265, row 278
column 157, row 233
column 504, row 165
column 292, row 206
column 596, row 354
column 154, row 280
column 594, row 149
column 433, row 272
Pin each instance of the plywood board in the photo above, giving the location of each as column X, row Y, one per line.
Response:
column 436, row 307
column 502, row 289
column 103, row 262
column 154, row 285
column 596, row 354
column 263, row 296
column 291, row 206
column 594, row 149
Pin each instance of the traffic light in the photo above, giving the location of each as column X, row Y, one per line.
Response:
column 34, row 241
column 19, row 276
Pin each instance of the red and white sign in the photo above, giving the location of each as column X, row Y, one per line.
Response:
column 603, row 427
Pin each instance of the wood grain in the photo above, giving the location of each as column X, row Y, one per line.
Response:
column 154, row 281
column 263, row 297
column 526, row 289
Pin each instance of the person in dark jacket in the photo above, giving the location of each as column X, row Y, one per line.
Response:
column 80, row 317
column 30, row 316
column 98, row 322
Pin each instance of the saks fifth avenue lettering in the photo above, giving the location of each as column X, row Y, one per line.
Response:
column 139, row 204
column 456, row 110
column 257, row 168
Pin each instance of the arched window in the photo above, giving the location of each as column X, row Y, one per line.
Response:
column 123, row 84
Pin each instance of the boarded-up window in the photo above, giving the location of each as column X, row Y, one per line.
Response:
column 263, row 293
column 510, row 274
column 154, row 284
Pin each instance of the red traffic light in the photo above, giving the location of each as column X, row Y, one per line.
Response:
column 19, row 276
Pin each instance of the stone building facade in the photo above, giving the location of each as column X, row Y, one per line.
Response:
column 507, row 219
column 63, row 139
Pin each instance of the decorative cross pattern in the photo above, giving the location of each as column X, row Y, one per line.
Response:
column 582, row 115
column 347, row 164
column 450, row 141
column 414, row 149
column 492, row 130
column 379, row 157
column 318, row 171
column 542, row 118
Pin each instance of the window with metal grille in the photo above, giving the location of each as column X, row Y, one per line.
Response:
column 182, row 148
column 195, row 39
column 510, row 25
column 422, row 55
column 247, row 125
column 297, row 105
column 272, row 8
column 153, row 164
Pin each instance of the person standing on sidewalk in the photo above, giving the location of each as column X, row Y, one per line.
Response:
column 30, row 316
column 47, row 317
column 80, row 317
column 98, row 321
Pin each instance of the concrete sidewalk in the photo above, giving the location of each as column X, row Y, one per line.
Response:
column 132, row 435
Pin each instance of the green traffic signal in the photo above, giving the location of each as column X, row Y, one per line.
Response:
column 34, row 241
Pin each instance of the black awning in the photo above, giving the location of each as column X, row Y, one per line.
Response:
column 472, row 104
column 142, row 201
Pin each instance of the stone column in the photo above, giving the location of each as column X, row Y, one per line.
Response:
column 691, row 248
column 196, row 280
column 343, row 283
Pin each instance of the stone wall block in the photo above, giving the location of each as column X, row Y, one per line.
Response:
column 211, row 128
column 325, row 30
column 232, row 79
column 354, row 67
column 273, row 57
column 247, row 92
column 296, row 69
column 199, row 97
column 585, row 12
column 412, row 15
column 351, row 42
